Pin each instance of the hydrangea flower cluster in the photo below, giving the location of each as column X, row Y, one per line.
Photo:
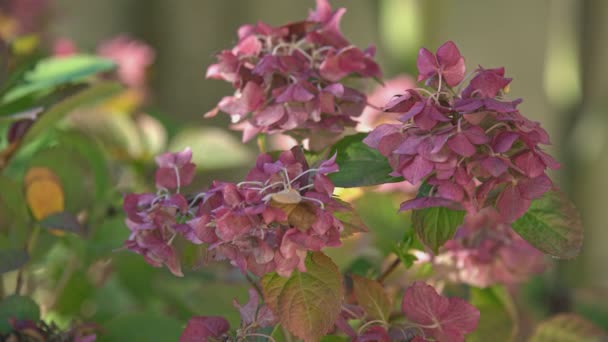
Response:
column 155, row 219
column 268, row 222
column 290, row 78
column 486, row 251
column 271, row 220
column 468, row 142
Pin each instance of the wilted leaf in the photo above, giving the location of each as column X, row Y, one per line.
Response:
column 436, row 225
column 372, row 297
column 63, row 221
column 55, row 71
column 351, row 220
column 360, row 165
column 553, row 225
column 18, row 307
column 567, row 328
column 307, row 303
column 43, row 192
column 498, row 319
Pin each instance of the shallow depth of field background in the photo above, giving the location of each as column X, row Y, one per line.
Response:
column 555, row 50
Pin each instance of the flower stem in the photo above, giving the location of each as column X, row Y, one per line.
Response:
column 262, row 143
column 389, row 270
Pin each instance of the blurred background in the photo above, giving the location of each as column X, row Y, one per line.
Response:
column 555, row 50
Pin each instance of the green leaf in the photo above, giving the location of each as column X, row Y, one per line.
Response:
column 498, row 320
column 58, row 111
column 567, row 328
column 63, row 221
column 553, row 225
column 12, row 259
column 18, row 307
column 436, row 225
column 141, row 327
column 372, row 297
column 92, row 152
column 360, row 165
column 55, row 71
column 307, row 303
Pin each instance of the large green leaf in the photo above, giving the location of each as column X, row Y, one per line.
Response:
column 567, row 328
column 54, row 71
column 436, row 225
column 58, row 111
column 307, row 303
column 498, row 320
column 141, row 327
column 12, row 258
column 18, row 307
column 372, row 297
column 553, row 225
column 360, row 165
column 14, row 227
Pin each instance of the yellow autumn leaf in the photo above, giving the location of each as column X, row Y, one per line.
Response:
column 44, row 194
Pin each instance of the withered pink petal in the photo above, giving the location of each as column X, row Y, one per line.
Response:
column 461, row 145
column 494, row 165
column 511, row 204
column 532, row 188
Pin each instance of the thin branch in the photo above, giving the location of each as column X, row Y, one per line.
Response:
column 389, row 270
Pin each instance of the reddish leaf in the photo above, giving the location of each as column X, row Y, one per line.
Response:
column 445, row 319
column 200, row 328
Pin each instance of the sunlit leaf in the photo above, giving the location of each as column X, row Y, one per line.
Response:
column 360, row 165
column 307, row 303
column 553, row 225
column 58, row 111
column 436, row 225
column 55, row 71
column 212, row 148
column 567, row 328
column 372, row 297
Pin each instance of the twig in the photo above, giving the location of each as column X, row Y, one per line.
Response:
column 389, row 270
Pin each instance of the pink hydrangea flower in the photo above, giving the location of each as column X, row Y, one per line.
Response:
column 132, row 56
column 373, row 115
column 474, row 148
column 156, row 219
column 288, row 79
column 271, row 220
column 204, row 328
column 25, row 16
column 486, row 251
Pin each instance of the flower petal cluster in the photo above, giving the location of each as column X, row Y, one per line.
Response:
column 155, row 219
column 486, row 251
column 291, row 78
column 271, row 220
column 472, row 146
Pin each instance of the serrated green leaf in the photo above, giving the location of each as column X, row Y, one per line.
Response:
column 436, row 225
column 567, row 328
column 58, row 111
column 360, row 165
column 55, row 71
column 498, row 320
column 307, row 303
column 553, row 225
column 372, row 297
column 18, row 307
